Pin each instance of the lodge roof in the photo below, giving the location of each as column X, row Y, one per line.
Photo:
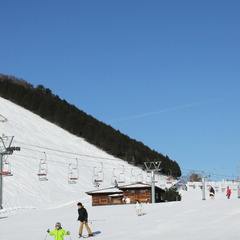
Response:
column 135, row 185
column 119, row 189
column 111, row 190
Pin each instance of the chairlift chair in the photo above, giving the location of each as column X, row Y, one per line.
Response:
column 133, row 177
column 73, row 173
column 42, row 173
column 121, row 176
column 98, row 176
column 114, row 181
column 6, row 168
column 140, row 177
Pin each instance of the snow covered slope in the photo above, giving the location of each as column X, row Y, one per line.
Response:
column 32, row 206
column 40, row 139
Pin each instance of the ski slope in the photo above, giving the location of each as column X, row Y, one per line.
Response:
column 40, row 139
column 32, row 206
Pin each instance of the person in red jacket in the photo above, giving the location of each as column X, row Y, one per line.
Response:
column 228, row 192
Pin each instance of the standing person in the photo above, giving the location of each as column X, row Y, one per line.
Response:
column 139, row 208
column 58, row 232
column 83, row 218
column 228, row 192
column 127, row 200
column 212, row 192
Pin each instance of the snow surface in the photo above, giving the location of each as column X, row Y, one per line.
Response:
column 32, row 206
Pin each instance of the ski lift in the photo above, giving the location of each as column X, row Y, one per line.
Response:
column 42, row 173
column 98, row 176
column 140, row 177
column 96, row 184
column 73, row 173
column 121, row 176
column 133, row 177
column 114, row 181
column 6, row 169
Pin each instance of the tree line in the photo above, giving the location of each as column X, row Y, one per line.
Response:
column 44, row 103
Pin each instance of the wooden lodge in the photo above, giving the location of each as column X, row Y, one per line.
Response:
column 125, row 194
column 106, row 196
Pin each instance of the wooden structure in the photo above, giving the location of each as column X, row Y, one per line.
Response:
column 106, row 196
column 141, row 192
column 131, row 192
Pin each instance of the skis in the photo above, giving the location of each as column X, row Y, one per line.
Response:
column 93, row 234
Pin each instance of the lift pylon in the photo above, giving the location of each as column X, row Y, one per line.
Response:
column 5, row 149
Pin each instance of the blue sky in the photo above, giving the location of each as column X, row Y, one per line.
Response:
column 165, row 73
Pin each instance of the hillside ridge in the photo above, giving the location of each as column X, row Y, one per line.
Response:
column 43, row 102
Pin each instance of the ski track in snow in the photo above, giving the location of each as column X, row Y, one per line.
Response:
column 31, row 206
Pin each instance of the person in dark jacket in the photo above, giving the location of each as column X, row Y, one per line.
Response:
column 83, row 218
column 212, row 192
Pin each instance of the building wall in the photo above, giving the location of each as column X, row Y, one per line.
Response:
column 102, row 199
column 116, row 200
column 143, row 195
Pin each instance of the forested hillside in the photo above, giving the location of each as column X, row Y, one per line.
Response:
column 43, row 102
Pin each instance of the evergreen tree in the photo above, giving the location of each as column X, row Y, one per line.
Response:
column 43, row 102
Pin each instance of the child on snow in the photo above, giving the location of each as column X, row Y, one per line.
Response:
column 58, row 232
column 139, row 208
column 83, row 218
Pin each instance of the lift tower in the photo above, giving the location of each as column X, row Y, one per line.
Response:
column 153, row 167
column 5, row 149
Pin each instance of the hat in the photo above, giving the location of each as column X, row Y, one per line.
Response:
column 79, row 204
column 58, row 224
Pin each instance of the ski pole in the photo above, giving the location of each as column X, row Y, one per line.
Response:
column 45, row 237
column 70, row 237
column 97, row 220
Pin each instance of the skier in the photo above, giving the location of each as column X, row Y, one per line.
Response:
column 228, row 193
column 212, row 192
column 58, row 232
column 139, row 208
column 83, row 218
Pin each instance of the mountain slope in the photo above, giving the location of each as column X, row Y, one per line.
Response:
column 35, row 136
column 44, row 103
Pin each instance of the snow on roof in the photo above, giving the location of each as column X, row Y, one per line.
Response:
column 116, row 195
column 136, row 185
column 105, row 190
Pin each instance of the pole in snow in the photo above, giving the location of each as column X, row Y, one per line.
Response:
column 204, row 187
column 5, row 150
column 153, row 167
column 238, row 182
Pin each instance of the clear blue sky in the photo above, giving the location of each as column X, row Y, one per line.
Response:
column 166, row 73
